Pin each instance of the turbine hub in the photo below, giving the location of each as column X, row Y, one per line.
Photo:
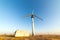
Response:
column 32, row 16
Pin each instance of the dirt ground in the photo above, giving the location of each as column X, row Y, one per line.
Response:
column 37, row 37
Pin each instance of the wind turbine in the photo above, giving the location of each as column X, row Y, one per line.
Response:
column 32, row 17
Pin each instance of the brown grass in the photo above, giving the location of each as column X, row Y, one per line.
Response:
column 36, row 37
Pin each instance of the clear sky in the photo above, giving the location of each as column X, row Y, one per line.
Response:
column 12, row 11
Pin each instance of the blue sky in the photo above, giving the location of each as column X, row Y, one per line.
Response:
column 12, row 11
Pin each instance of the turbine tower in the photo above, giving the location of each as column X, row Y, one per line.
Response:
column 32, row 17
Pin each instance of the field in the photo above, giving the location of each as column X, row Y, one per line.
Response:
column 36, row 37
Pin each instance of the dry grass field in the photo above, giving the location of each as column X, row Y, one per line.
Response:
column 37, row 37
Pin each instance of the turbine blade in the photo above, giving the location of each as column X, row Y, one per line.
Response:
column 33, row 11
column 26, row 15
column 38, row 17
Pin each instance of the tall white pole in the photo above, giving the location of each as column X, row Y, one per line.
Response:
column 32, row 26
